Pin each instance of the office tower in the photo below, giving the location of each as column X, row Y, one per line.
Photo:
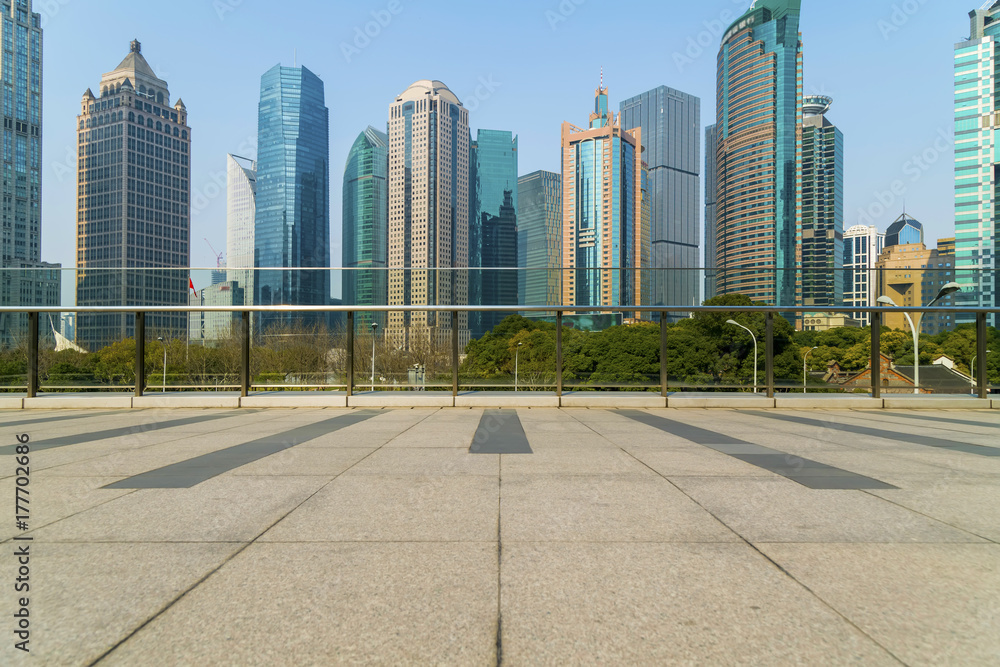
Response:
column 711, row 181
column 759, row 129
column 904, row 231
column 913, row 275
column 208, row 328
column 24, row 279
column 822, row 205
column 366, row 225
column 495, row 224
column 671, row 137
column 292, row 220
column 132, row 204
column 429, row 204
column 539, row 238
column 606, row 243
column 977, row 118
column 862, row 247
column 241, row 204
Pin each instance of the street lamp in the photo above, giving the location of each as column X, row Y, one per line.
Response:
column 804, row 357
column 949, row 288
column 374, row 332
column 754, row 351
column 517, row 351
column 164, row 388
column 973, row 368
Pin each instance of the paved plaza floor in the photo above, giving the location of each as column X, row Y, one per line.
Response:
column 514, row 536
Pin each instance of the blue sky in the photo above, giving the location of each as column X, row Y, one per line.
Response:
column 521, row 65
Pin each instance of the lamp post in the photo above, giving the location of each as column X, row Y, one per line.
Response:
column 374, row 332
column 949, row 288
column 754, row 351
column 517, row 351
column 163, row 389
column 972, row 368
column 804, row 357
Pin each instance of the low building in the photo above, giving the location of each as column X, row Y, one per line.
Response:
column 825, row 321
column 210, row 328
column 912, row 275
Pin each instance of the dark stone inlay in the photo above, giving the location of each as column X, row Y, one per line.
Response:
column 909, row 438
column 808, row 473
column 500, row 432
column 58, row 418
column 186, row 474
column 962, row 422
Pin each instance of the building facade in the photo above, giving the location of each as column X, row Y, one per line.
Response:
column 711, row 181
column 292, row 219
column 904, row 230
column 822, row 205
column 241, row 206
column 605, row 232
column 366, row 226
column 670, row 121
column 429, row 207
column 977, row 118
column 759, row 155
column 539, row 238
column 912, row 276
column 133, row 217
column 207, row 328
column 862, row 247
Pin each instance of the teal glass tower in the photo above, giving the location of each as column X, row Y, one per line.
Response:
column 366, row 225
column 292, row 224
column 977, row 185
column 822, row 206
column 494, row 225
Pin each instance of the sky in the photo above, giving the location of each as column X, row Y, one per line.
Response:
column 519, row 65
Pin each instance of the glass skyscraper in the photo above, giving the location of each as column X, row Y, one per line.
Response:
column 539, row 238
column 822, row 206
column 711, row 181
column 904, row 231
column 366, row 225
column 671, row 135
column 759, row 130
column 292, row 224
column 495, row 224
column 241, row 198
column 977, row 186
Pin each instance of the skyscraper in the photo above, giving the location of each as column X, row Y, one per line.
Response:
column 606, row 244
column 711, row 182
column 495, row 223
column 241, row 205
column 429, row 210
column 539, row 238
column 905, row 230
column 292, row 228
column 822, row 206
column 759, row 129
column 24, row 278
column 366, row 225
column 133, row 189
column 862, row 246
column 671, row 136
column 977, row 219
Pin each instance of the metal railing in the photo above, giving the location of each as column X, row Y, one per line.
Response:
column 244, row 332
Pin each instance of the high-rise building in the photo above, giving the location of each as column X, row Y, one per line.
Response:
column 822, row 205
column 904, row 230
column 495, row 224
column 292, row 220
column 759, row 155
column 912, row 275
column 606, row 244
column 671, row 137
column 241, row 204
column 711, row 182
column 366, row 225
column 977, row 158
column 24, row 279
column 862, row 247
column 133, row 189
column 429, row 206
column 539, row 238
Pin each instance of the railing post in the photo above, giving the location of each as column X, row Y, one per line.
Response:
column 350, row 353
column 559, row 354
column 982, row 354
column 245, row 356
column 140, row 353
column 32, row 354
column 876, row 358
column 454, row 353
column 769, row 353
column 663, row 354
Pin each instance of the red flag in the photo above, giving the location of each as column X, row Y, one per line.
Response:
column 191, row 284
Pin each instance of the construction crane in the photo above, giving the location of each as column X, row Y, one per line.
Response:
column 218, row 255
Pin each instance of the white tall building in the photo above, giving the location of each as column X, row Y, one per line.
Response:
column 862, row 246
column 428, row 212
column 241, row 199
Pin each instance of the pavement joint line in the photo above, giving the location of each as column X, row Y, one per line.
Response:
column 767, row 558
column 900, row 419
column 932, row 518
column 70, row 516
column 85, row 415
column 499, row 643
